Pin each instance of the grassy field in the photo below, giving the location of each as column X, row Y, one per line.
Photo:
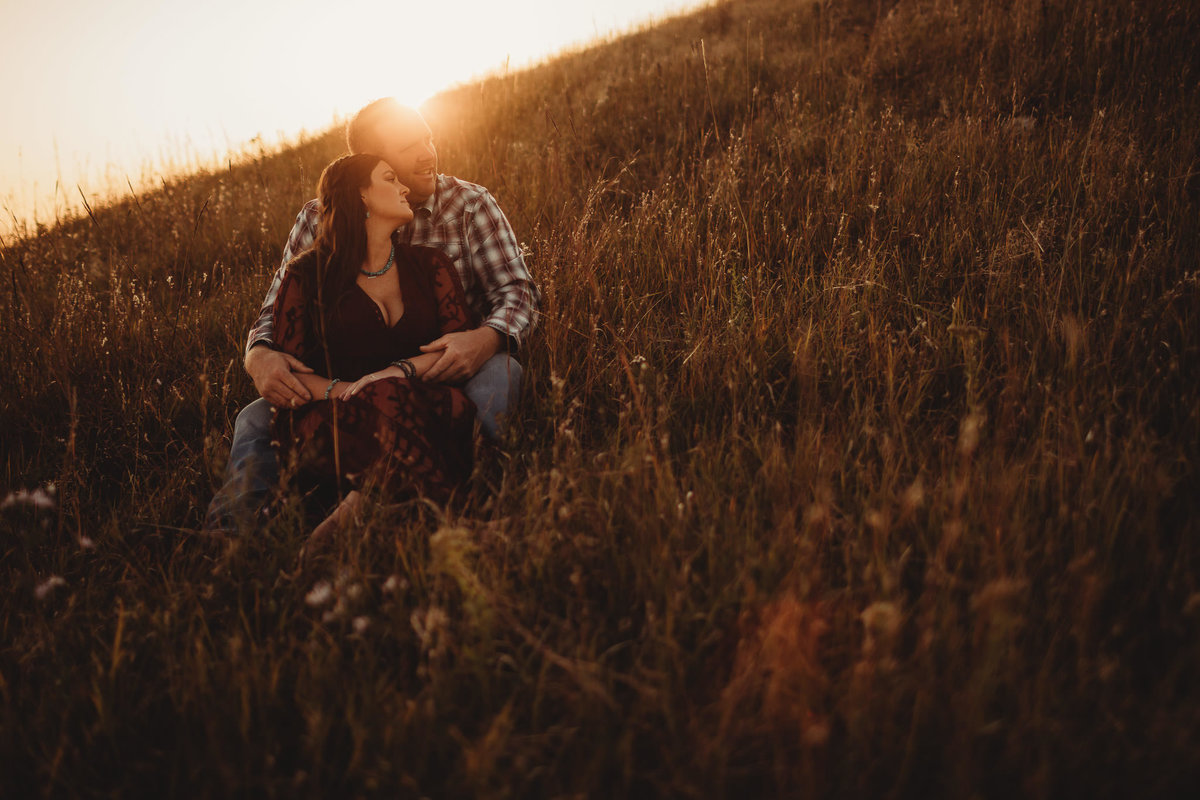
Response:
column 857, row 456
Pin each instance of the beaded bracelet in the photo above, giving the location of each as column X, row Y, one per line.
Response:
column 329, row 388
column 406, row 367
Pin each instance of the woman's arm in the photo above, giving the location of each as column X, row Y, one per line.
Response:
column 453, row 313
column 420, row 365
column 290, row 314
column 299, row 240
column 461, row 348
column 453, row 316
column 318, row 384
column 273, row 371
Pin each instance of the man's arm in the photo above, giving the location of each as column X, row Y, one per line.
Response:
column 270, row 369
column 299, row 240
column 495, row 258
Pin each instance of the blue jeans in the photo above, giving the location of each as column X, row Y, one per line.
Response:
column 253, row 469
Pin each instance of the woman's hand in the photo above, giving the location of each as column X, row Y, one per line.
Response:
column 387, row 372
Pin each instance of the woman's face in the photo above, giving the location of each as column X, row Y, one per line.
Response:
column 386, row 198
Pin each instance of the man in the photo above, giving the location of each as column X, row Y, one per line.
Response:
column 464, row 222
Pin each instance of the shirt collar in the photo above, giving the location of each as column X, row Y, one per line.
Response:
column 430, row 206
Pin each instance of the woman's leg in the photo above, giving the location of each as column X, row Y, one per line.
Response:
column 342, row 515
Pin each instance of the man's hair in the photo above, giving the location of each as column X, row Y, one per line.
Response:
column 362, row 131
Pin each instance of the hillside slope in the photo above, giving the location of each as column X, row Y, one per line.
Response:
column 857, row 457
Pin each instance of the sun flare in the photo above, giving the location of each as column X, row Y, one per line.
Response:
column 167, row 87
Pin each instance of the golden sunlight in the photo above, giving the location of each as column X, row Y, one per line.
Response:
column 139, row 89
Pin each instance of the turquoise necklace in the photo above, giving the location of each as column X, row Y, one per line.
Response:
column 386, row 267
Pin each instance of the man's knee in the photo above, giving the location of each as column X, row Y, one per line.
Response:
column 495, row 389
column 503, row 372
column 251, row 451
column 251, row 472
column 253, row 421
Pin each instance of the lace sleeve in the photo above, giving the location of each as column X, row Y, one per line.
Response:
column 299, row 240
column 291, row 316
column 452, row 312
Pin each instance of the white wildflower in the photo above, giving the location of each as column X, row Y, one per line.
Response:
column 319, row 595
column 968, row 434
column 43, row 499
column 881, row 626
column 428, row 625
column 47, row 586
column 815, row 733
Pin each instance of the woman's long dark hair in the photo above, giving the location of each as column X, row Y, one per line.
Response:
column 340, row 246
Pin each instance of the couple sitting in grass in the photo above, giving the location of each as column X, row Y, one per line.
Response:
column 386, row 332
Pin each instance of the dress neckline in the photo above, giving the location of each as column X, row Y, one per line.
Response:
column 400, row 275
column 379, row 311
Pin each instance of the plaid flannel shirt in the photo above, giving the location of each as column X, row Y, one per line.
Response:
column 462, row 220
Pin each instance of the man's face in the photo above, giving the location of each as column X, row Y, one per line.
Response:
column 407, row 144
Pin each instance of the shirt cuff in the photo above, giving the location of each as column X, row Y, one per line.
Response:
column 253, row 343
column 509, row 343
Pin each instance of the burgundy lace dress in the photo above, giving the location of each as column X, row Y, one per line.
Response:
column 414, row 437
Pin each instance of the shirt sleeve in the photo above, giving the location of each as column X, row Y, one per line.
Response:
column 300, row 239
column 498, row 263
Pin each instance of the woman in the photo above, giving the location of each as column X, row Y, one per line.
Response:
column 356, row 308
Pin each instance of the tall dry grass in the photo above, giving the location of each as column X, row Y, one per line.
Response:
column 857, row 457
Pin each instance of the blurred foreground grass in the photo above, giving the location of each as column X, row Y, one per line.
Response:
column 857, row 459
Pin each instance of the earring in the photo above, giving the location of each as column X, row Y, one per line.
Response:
column 368, row 215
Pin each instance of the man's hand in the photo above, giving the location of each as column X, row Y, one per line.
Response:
column 272, row 371
column 462, row 354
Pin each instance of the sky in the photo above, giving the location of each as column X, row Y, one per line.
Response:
column 95, row 93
